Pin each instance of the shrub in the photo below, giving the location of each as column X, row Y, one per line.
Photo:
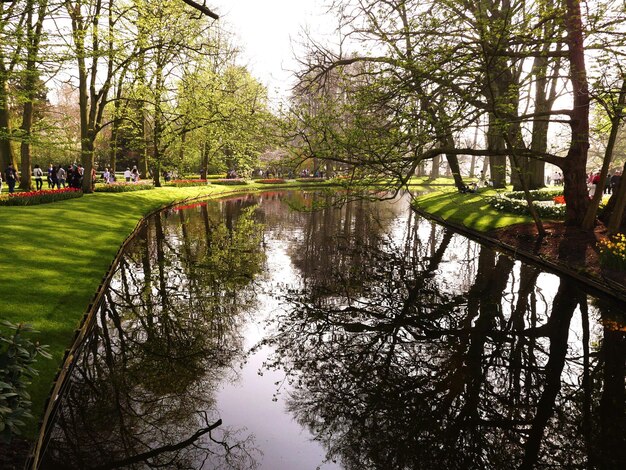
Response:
column 311, row 180
column 32, row 198
column 613, row 252
column 536, row 194
column 271, row 181
column 185, row 183
column 17, row 355
column 123, row 187
column 230, row 182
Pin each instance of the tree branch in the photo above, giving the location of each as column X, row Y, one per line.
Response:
column 202, row 8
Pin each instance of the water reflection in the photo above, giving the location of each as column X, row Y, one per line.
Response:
column 398, row 345
column 168, row 336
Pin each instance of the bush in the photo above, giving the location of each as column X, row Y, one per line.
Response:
column 310, row 180
column 185, row 183
column 271, row 181
column 17, row 355
column 123, row 187
column 613, row 252
column 32, row 198
column 536, row 194
column 230, row 182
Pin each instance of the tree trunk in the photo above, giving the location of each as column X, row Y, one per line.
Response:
column 25, row 154
column 33, row 36
column 204, row 170
column 434, row 171
column 7, row 156
column 574, row 167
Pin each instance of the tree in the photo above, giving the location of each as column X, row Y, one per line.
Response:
column 31, row 82
column 474, row 59
column 12, row 18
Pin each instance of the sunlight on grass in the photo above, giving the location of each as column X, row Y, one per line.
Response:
column 471, row 210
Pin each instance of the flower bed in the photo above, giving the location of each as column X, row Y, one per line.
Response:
column 271, row 181
column 185, row 183
column 123, row 187
column 613, row 252
column 545, row 207
column 230, row 182
column 32, row 198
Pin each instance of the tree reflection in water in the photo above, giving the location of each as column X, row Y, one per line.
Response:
column 395, row 365
column 167, row 336
column 404, row 346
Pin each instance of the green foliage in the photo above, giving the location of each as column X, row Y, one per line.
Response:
column 235, row 258
column 230, row 182
column 123, row 187
column 17, row 356
column 33, row 198
column 185, row 183
column 271, row 181
column 311, row 180
column 536, row 194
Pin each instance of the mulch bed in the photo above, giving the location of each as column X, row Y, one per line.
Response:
column 570, row 247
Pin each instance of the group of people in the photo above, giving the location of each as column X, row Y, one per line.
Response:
column 59, row 177
column 610, row 183
column 131, row 175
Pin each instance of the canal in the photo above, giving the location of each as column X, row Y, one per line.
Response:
column 250, row 333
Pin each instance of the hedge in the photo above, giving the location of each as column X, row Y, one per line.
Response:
column 271, row 181
column 186, row 183
column 123, row 187
column 230, row 182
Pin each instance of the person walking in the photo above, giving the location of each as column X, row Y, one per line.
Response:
column 55, row 178
column 50, row 170
column 38, row 177
column 127, row 175
column 135, row 174
column 615, row 179
column 11, row 177
column 61, row 177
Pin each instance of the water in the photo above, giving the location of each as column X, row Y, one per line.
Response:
column 360, row 337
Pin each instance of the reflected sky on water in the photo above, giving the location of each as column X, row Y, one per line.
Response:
column 251, row 333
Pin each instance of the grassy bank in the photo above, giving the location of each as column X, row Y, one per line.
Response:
column 471, row 210
column 54, row 258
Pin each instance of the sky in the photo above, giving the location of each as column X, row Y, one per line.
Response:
column 265, row 30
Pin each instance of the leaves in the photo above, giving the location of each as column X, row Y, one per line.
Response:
column 17, row 356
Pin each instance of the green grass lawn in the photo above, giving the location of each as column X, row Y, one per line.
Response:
column 471, row 210
column 54, row 256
